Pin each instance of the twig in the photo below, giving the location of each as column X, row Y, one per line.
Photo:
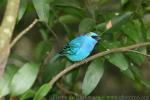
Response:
column 53, row 33
column 23, row 32
column 57, row 18
column 76, row 65
column 139, row 53
column 66, row 91
column 45, row 62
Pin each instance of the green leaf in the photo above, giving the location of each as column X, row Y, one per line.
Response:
column 1, row 1
column 42, row 91
column 42, row 9
column 72, row 11
column 136, row 58
column 145, row 83
column 71, row 7
column 123, row 2
column 120, row 20
column 67, row 3
column 129, row 74
column 68, row 19
column 52, row 19
column 6, row 79
column 101, row 26
column 119, row 60
column 137, row 72
column 70, row 78
column 148, row 34
column 52, row 69
column 42, row 48
column 24, row 78
column 28, row 94
column 44, row 34
column 132, row 31
column 109, row 45
column 86, row 25
column 93, row 75
column 22, row 9
column 117, row 21
column 146, row 2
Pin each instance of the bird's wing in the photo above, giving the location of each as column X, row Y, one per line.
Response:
column 73, row 46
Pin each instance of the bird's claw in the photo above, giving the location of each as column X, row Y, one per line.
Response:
column 85, row 60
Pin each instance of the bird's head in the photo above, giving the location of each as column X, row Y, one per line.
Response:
column 93, row 35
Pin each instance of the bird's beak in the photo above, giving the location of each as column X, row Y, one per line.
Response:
column 98, row 38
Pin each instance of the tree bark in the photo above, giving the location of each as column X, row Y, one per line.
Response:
column 6, row 31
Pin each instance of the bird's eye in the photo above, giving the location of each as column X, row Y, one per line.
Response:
column 94, row 37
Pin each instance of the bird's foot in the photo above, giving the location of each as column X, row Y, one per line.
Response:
column 85, row 60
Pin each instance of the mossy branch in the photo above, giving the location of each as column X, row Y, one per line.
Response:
column 6, row 31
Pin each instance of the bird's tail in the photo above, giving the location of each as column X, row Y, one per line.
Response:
column 54, row 58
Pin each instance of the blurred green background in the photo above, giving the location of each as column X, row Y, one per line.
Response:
column 125, row 73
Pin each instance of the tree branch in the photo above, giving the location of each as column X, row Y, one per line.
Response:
column 6, row 31
column 23, row 33
column 147, row 55
column 76, row 65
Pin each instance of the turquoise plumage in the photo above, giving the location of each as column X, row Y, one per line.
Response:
column 80, row 47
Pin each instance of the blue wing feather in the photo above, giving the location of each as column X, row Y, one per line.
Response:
column 73, row 46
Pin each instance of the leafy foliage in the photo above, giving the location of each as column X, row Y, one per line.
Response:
column 43, row 90
column 92, row 77
column 24, row 78
column 119, row 23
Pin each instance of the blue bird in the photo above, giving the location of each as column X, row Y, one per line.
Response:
column 80, row 47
